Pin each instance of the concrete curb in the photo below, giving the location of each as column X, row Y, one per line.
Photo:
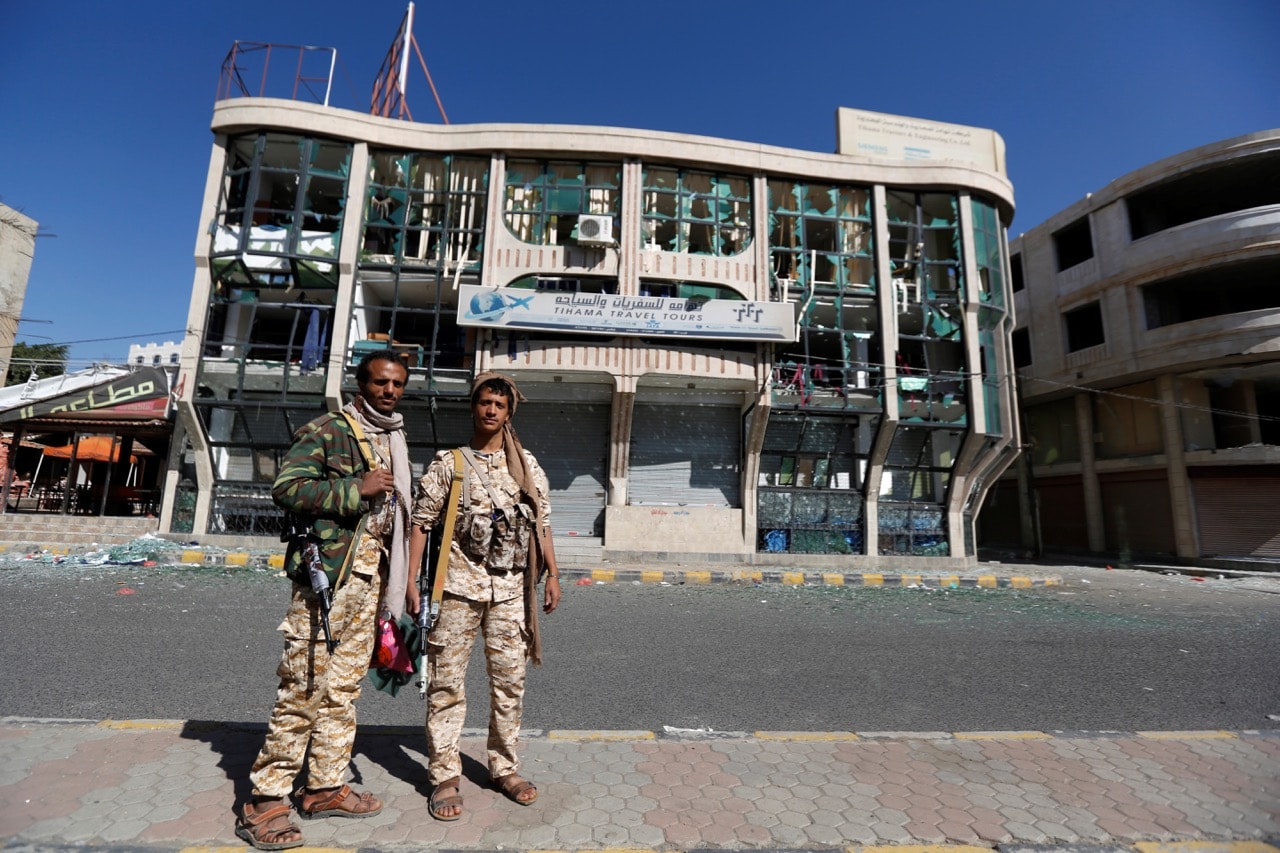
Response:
column 580, row 574
column 671, row 734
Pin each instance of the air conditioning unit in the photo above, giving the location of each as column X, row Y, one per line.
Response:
column 595, row 230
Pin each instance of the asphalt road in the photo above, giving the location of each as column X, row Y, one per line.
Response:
column 1107, row 651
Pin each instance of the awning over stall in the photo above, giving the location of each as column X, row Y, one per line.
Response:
column 90, row 448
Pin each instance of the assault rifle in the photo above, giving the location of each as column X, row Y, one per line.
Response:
column 428, row 606
column 296, row 530
column 320, row 586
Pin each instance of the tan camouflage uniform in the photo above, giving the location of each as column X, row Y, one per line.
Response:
column 315, row 702
column 482, row 593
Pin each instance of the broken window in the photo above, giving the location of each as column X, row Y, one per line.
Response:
column 991, row 332
column 279, row 221
column 701, row 213
column 913, row 492
column 545, row 201
column 931, row 380
column 423, row 236
column 989, row 250
column 811, row 488
column 928, row 294
column 820, row 239
column 821, row 258
column 1084, row 327
column 924, row 246
column 414, row 200
column 262, row 368
column 247, row 438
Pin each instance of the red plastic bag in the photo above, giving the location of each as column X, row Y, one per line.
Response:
column 389, row 650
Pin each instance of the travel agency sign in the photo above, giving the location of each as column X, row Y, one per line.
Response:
column 520, row 309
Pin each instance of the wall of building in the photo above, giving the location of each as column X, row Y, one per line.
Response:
column 17, row 251
column 871, row 436
column 1152, row 329
column 154, row 354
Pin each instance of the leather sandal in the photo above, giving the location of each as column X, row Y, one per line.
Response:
column 516, row 789
column 339, row 802
column 440, row 800
column 266, row 825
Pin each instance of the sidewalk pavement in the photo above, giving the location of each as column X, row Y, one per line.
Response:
column 172, row 785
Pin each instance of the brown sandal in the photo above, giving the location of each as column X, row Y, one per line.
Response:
column 440, row 801
column 516, row 789
column 266, row 829
column 339, row 802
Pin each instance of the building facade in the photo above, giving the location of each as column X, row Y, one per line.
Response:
column 154, row 354
column 730, row 351
column 1148, row 356
column 17, row 251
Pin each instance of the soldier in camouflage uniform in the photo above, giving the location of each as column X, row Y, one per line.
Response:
column 357, row 513
column 501, row 543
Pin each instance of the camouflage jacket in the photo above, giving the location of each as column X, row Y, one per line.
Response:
column 319, row 481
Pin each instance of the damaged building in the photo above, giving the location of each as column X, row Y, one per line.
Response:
column 731, row 351
column 1146, row 350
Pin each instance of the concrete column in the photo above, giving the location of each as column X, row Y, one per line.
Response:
column 1183, row 514
column 1028, row 513
column 1089, row 475
column 624, row 399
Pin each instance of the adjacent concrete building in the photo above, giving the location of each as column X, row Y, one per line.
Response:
column 154, row 354
column 731, row 351
column 17, row 251
column 1148, row 355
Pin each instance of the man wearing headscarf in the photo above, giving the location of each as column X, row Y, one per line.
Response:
column 501, row 547
column 352, row 503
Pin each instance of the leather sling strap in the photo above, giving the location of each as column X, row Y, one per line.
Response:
column 366, row 450
column 370, row 462
column 446, row 535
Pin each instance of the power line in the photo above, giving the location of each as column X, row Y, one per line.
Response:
column 123, row 337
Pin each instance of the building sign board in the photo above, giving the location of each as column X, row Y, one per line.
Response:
column 144, row 391
column 608, row 314
column 889, row 137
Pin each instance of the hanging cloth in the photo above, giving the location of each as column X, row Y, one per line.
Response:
column 311, row 343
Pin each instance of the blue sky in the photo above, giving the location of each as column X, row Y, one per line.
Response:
column 105, row 107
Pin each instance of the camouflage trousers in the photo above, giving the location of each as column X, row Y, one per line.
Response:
column 315, row 703
column 448, row 651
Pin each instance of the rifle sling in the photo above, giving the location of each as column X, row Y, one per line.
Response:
column 370, row 463
column 366, row 450
column 446, row 540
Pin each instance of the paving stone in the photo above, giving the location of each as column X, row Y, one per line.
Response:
column 150, row 784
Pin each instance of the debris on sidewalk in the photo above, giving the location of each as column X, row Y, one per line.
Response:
column 147, row 550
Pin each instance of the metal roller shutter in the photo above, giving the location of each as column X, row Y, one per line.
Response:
column 571, row 441
column 1060, row 503
column 688, row 455
column 1137, row 516
column 1238, row 515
